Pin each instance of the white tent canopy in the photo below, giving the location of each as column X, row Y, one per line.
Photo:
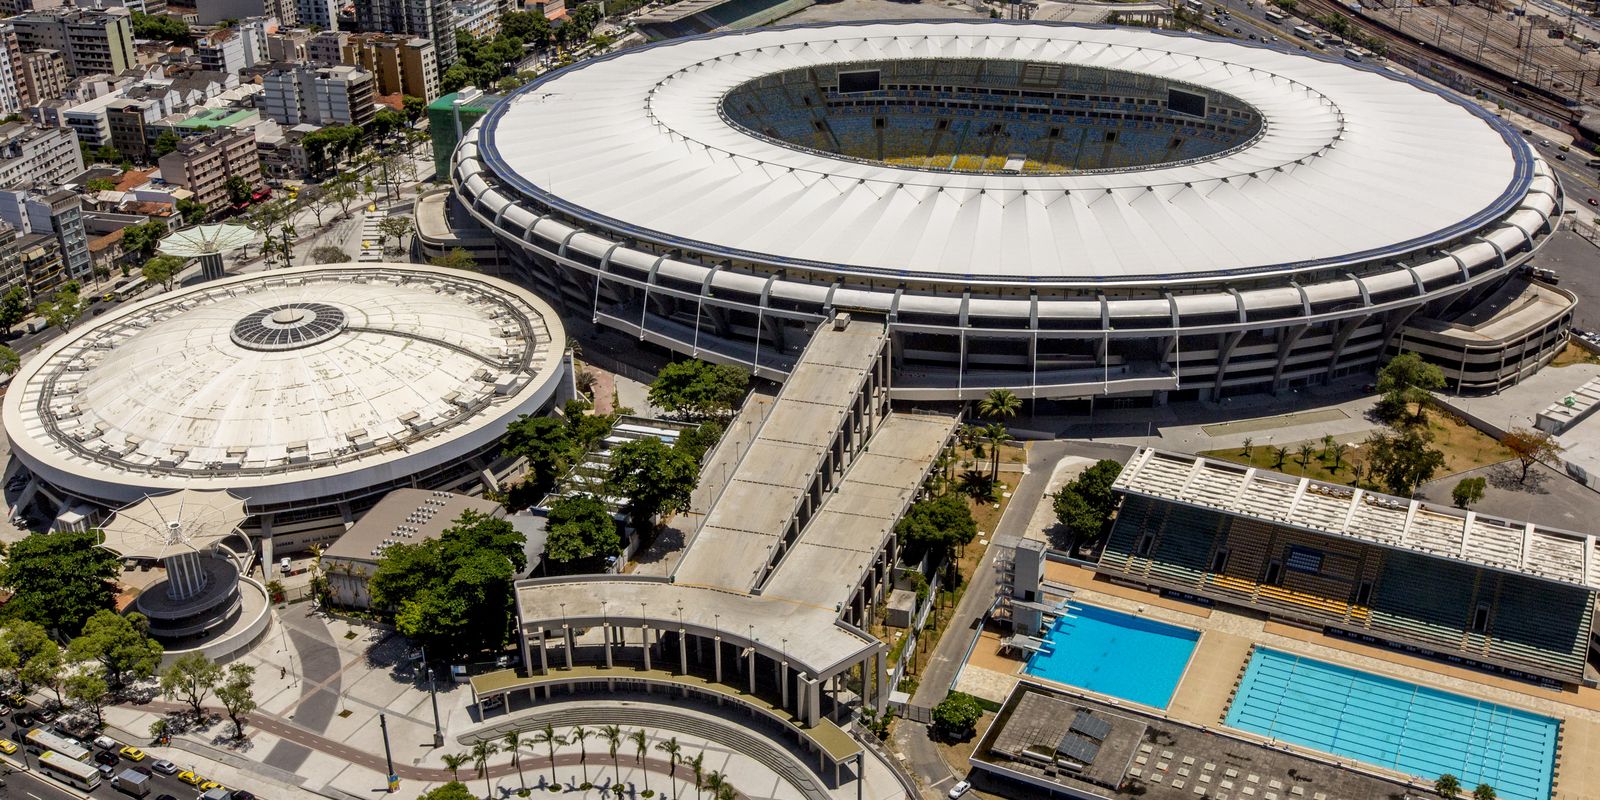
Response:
column 163, row 526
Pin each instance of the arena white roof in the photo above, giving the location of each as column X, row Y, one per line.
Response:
column 285, row 385
column 1354, row 164
column 1395, row 522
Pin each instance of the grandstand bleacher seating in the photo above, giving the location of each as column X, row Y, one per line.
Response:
column 1415, row 599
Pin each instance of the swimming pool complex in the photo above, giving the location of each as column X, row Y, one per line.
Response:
column 1397, row 725
column 1116, row 654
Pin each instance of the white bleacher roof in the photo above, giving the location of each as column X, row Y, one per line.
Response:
column 1550, row 554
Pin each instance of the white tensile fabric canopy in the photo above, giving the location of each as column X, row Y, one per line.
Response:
column 185, row 521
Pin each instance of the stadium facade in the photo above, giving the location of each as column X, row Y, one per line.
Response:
column 1067, row 211
column 309, row 392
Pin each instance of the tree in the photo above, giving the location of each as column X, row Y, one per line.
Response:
column 938, row 525
column 452, row 594
column 88, row 688
column 1279, row 455
column 697, row 440
column 161, row 27
column 454, row 762
column 997, row 435
column 1306, row 451
column 190, row 679
column 9, row 360
column 191, row 210
column 1447, row 786
column 455, row 78
column 13, row 307
column 1338, row 451
column 1000, row 404
column 717, row 783
column 63, row 308
column 674, row 753
column 1484, row 792
column 237, row 695
column 613, row 736
column 20, row 642
column 641, row 746
column 454, row 790
column 1468, row 491
column 413, row 107
column 580, row 736
column 166, row 143
column 342, row 191
column 956, row 716
column 1402, row 461
column 697, row 766
column 238, row 190
column 121, row 643
column 512, row 741
column 58, row 580
column 698, row 389
column 162, row 270
column 547, row 737
column 1530, row 446
column 100, row 185
column 45, row 667
column 546, row 442
column 482, row 751
column 457, row 258
column 1407, row 379
column 580, row 527
column 1084, row 504
column 1244, row 449
column 328, row 254
column 396, row 227
column 656, row 479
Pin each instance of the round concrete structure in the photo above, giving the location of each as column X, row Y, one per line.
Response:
column 1063, row 210
column 304, row 389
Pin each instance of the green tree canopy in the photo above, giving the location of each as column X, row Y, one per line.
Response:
column 191, row 210
column 698, row 389
column 162, row 270
column 166, row 143
column 656, row 479
column 1407, row 380
column 140, row 241
column 414, row 107
column 63, row 308
column 697, row 440
column 9, row 360
column 190, row 679
column 938, row 525
column 1084, row 504
column 1468, row 491
column 21, row 642
column 547, row 444
column 454, row 790
column 58, row 580
column 453, row 594
column 457, row 258
column 14, row 307
column 580, row 528
column 957, row 715
column 237, row 694
column 100, row 185
column 1402, row 461
column 238, row 190
column 328, row 254
column 161, row 27
column 121, row 643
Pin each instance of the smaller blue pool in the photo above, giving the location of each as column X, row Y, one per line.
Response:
column 1113, row 653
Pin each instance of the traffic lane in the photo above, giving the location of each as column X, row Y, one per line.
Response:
column 28, row 785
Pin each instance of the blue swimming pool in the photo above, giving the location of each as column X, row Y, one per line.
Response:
column 1395, row 724
column 1113, row 653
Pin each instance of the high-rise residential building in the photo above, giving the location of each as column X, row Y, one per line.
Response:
column 253, row 34
column 130, row 122
column 401, row 64
column 59, row 213
column 9, row 7
column 204, row 164
column 321, row 13
column 134, row 6
column 13, row 91
column 327, row 47
column 288, row 45
column 479, row 18
column 222, row 51
column 210, row 12
column 44, row 75
column 319, row 95
column 430, row 19
column 45, row 155
column 39, row 263
column 91, row 41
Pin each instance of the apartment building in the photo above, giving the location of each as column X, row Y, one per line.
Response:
column 221, row 51
column 430, row 19
column 480, row 18
column 91, row 41
column 400, row 64
column 210, row 12
column 43, row 76
column 203, row 165
column 58, row 214
column 46, row 155
column 319, row 95
column 321, row 13
column 13, row 92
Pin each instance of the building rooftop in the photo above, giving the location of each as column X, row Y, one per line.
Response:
column 406, row 516
column 1331, row 509
column 1045, row 738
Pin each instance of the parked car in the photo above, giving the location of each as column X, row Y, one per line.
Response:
column 132, row 753
column 106, row 742
column 106, row 758
column 164, row 767
column 959, row 790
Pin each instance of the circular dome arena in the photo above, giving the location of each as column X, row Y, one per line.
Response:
column 301, row 389
column 1067, row 211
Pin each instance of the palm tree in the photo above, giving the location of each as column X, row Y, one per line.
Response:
column 1327, row 444
column 999, row 404
column 1484, row 792
column 715, row 782
column 613, row 736
column 482, row 751
column 454, row 762
column 1338, row 452
column 997, row 434
column 513, row 742
column 1306, row 452
column 551, row 741
column 673, row 751
column 1447, row 786
column 641, row 745
column 578, row 736
column 1279, row 454
column 697, row 765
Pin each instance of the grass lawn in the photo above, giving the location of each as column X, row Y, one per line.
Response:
column 1574, row 353
column 1464, row 448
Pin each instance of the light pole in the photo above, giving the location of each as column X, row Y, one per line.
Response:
column 388, row 758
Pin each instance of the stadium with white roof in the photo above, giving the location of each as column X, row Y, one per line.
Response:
column 1068, row 211
column 307, row 392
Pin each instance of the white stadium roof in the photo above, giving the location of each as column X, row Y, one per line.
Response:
column 1353, row 164
column 286, row 385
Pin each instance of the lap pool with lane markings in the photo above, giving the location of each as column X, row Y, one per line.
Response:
column 1395, row 724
